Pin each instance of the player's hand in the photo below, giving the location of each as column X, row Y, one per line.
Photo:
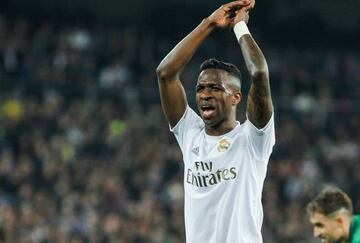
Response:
column 223, row 17
column 250, row 6
column 241, row 15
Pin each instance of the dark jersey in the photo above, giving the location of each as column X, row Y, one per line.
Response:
column 355, row 229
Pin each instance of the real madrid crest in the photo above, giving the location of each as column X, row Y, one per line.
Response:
column 224, row 144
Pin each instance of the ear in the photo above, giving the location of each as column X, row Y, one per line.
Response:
column 236, row 98
column 339, row 220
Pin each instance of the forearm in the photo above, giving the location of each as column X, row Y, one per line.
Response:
column 259, row 104
column 253, row 56
column 172, row 65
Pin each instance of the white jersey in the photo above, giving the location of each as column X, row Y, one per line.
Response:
column 223, row 180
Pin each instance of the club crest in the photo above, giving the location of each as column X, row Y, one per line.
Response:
column 224, row 144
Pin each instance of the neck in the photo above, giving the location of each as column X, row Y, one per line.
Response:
column 347, row 227
column 220, row 129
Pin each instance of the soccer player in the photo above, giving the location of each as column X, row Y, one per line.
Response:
column 331, row 214
column 225, row 162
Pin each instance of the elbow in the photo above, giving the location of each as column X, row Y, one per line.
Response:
column 160, row 70
column 260, row 73
column 163, row 73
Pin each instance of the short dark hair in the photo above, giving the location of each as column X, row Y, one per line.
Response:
column 330, row 200
column 216, row 64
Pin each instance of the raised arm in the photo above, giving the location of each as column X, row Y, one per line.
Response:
column 172, row 93
column 259, row 103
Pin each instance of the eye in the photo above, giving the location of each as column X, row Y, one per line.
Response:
column 199, row 89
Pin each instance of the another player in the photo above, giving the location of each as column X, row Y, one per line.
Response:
column 225, row 161
column 331, row 214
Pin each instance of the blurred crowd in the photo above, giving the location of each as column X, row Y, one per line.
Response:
column 86, row 154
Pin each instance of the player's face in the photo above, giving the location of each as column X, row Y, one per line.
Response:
column 214, row 97
column 329, row 230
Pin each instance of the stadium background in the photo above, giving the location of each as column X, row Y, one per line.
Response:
column 85, row 152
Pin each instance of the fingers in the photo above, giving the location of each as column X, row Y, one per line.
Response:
column 241, row 15
column 224, row 16
column 251, row 5
column 236, row 5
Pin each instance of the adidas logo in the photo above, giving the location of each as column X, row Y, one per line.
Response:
column 195, row 150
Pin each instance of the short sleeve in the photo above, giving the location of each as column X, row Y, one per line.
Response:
column 189, row 123
column 261, row 141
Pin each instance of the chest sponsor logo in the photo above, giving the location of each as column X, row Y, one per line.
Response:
column 203, row 174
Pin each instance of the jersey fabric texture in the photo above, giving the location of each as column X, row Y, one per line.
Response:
column 223, row 180
column 355, row 229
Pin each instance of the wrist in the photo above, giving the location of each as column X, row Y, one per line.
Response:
column 208, row 22
column 241, row 29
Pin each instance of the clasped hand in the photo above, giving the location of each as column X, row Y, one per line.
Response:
column 231, row 13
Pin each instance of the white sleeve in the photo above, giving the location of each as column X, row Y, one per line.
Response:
column 189, row 122
column 261, row 141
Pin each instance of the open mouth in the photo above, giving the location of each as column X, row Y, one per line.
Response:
column 323, row 240
column 207, row 111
